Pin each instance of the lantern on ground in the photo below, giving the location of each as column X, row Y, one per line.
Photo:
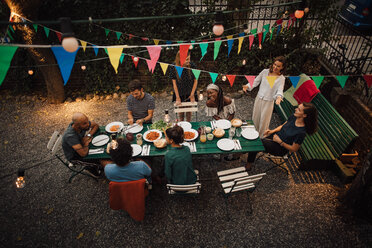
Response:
column 20, row 181
column 69, row 42
column 218, row 24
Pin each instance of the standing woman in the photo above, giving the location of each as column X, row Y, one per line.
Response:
column 264, row 103
column 184, row 87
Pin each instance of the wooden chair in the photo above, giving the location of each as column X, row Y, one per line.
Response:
column 76, row 167
column 278, row 161
column 185, row 189
column 236, row 180
column 186, row 107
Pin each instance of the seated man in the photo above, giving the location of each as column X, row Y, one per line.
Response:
column 122, row 170
column 290, row 135
column 140, row 105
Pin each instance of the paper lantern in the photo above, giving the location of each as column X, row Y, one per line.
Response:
column 299, row 14
column 69, row 42
column 218, row 24
column 306, row 10
column 83, row 67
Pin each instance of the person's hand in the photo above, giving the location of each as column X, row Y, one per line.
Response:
column 130, row 121
column 278, row 100
column 245, row 88
column 277, row 139
column 216, row 117
column 86, row 140
column 140, row 121
column 192, row 98
column 108, row 148
column 178, row 101
column 267, row 132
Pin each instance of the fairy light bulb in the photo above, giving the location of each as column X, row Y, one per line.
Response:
column 30, row 72
column 244, row 62
column 20, row 182
column 201, row 95
column 83, row 67
column 224, row 78
column 299, row 14
column 135, row 59
column 166, row 116
column 306, row 10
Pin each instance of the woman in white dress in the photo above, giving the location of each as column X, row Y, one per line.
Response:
column 264, row 102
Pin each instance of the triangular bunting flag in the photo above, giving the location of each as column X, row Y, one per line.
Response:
column 217, row 45
column 65, row 61
column 259, row 38
column 7, row 53
column 135, row 61
column 164, row 67
column 254, row 32
column 196, row 73
column 264, row 35
column 229, row 44
column 130, row 36
column 294, row 80
column 271, row 80
column 118, row 34
column 107, row 31
column 83, row 44
column 59, row 35
column 122, row 58
column 156, row 42
column 271, row 33
column 154, row 52
column 241, row 39
column 368, row 79
column 184, row 49
column 266, row 27
column 151, row 65
column 231, row 79
column 106, row 50
column 203, row 48
column 114, row 54
column 283, row 26
column 168, row 42
column 145, row 38
column 9, row 34
column 278, row 30
column 95, row 48
column 218, row 39
column 35, row 26
column 11, row 28
column 342, row 80
column 250, row 80
column 46, row 30
column 279, row 22
column 179, row 70
column 251, row 38
column 317, row 80
column 241, row 34
column 213, row 76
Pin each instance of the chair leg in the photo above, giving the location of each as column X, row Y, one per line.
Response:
column 250, row 210
column 226, row 205
column 277, row 165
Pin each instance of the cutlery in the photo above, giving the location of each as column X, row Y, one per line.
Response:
column 148, row 150
column 194, row 146
column 143, row 150
column 239, row 145
column 235, row 145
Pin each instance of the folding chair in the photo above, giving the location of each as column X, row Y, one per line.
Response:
column 185, row 189
column 186, row 107
column 278, row 161
column 235, row 180
column 76, row 167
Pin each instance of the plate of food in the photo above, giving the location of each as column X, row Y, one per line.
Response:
column 160, row 125
column 223, row 123
column 185, row 125
column 190, row 135
column 152, row 135
column 137, row 149
column 236, row 122
column 226, row 144
column 135, row 128
column 100, row 140
column 160, row 143
column 250, row 134
column 114, row 127
column 218, row 132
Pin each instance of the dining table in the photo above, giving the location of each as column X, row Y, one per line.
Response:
column 241, row 144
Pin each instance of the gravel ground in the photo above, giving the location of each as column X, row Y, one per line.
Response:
column 295, row 210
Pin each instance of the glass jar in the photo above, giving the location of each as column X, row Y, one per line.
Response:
column 139, row 139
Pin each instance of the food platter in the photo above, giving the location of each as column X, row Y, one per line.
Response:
column 250, row 134
column 236, row 122
column 114, row 127
column 100, row 140
column 226, row 144
column 223, row 123
column 152, row 131
column 188, row 135
column 185, row 125
column 137, row 149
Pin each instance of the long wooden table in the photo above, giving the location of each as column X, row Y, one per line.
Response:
column 209, row 147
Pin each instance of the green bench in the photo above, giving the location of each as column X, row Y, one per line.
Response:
column 333, row 137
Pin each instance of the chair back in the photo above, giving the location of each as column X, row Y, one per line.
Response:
column 52, row 140
column 186, row 107
column 129, row 196
column 188, row 189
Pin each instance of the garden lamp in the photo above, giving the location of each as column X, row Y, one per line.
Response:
column 20, row 182
column 218, row 24
column 69, row 42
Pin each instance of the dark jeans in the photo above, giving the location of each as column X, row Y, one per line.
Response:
column 270, row 147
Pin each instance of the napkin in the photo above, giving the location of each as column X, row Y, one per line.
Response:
column 96, row 151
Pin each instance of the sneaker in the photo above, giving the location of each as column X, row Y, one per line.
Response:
column 93, row 172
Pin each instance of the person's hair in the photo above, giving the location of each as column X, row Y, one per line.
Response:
column 311, row 119
column 135, row 85
column 123, row 152
column 176, row 134
column 283, row 61
column 220, row 100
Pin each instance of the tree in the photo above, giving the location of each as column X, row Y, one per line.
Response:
column 41, row 56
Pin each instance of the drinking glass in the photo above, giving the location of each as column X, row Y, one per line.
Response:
column 231, row 132
column 139, row 139
column 238, row 132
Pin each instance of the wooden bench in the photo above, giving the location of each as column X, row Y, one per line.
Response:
column 334, row 135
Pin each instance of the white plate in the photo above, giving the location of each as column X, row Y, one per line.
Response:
column 193, row 131
column 108, row 126
column 226, row 144
column 250, row 133
column 135, row 128
column 100, row 140
column 185, row 125
column 152, row 130
column 137, row 149
column 224, row 124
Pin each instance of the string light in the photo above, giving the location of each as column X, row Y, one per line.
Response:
column 244, row 62
column 20, row 182
column 83, row 67
column 299, row 14
column 135, row 59
column 69, row 42
column 224, row 78
column 166, row 116
column 201, row 96
column 306, row 10
column 218, row 24
column 30, row 72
